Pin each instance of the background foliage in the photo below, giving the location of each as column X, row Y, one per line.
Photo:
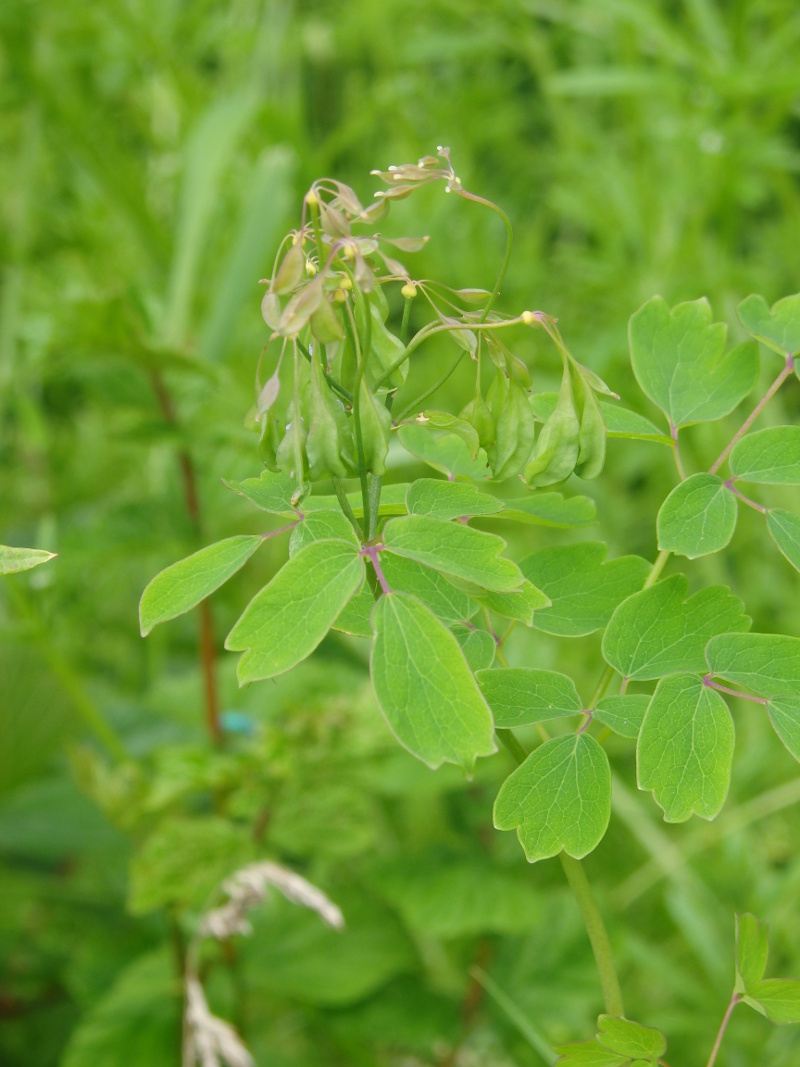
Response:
column 150, row 156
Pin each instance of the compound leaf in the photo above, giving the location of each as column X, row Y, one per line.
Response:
column 658, row 631
column 560, row 798
column 286, row 621
column 752, row 950
column 698, row 517
column 784, row 529
column 424, row 688
column 449, row 500
column 769, row 457
column 623, row 713
column 519, row 696
column 183, row 585
column 769, row 664
column 14, row 560
column 584, row 590
column 631, row 1039
column 679, row 360
column 777, row 327
column 685, row 748
column 453, row 549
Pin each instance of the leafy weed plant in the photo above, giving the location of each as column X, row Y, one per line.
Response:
column 404, row 567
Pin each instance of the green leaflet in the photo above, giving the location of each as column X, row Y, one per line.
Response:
column 450, row 604
column 14, row 560
column 519, row 605
column 777, row 327
column 551, row 509
column 623, row 713
column 769, row 664
column 453, row 549
column 445, row 452
column 630, row 1039
column 679, row 360
column 560, row 798
column 584, row 590
column 271, row 492
column 658, row 631
column 777, row 998
column 354, row 617
column 520, row 696
column 685, row 748
column 784, row 714
column 784, row 529
column 752, row 950
column 286, row 621
column 183, row 585
column 375, row 425
column 385, row 348
column 770, row 456
column 478, row 647
column 446, row 422
column 321, row 526
column 589, row 1054
column 424, row 688
column 698, row 517
column 449, row 500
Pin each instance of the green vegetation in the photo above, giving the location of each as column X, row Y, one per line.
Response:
column 630, row 614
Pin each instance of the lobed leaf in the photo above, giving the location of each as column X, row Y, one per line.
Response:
column 679, row 360
column 631, row 1039
column 424, row 688
column 583, row 590
column 658, row 631
column 453, row 549
column 271, row 492
column 550, row 509
column 784, row 529
column 698, row 517
column 589, row 1054
column 322, row 526
column 752, row 950
column 445, row 452
column 520, row 696
column 769, row 664
column 478, row 647
column 559, row 799
column 623, row 713
column 519, row 605
column 769, row 457
column 777, row 998
column 182, row 586
column 777, row 327
column 784, row 714
column 449, row 500
column 286, row 621
column 685, row 748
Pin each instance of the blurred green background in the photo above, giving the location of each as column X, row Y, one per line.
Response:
column 152, row 154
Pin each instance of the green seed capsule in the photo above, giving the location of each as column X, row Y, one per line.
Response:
column 327, row 431
column 592, row 438
column 516, row 428
column 375, row 425
column 557, row 448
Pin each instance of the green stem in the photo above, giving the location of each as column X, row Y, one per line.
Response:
column 509, row 245
column 314, row 209
column 602, row 687
column 508, row 740
column 335, row 386
column 787, row 371
column 656, row 569
column 595, row 928
column 406, row 319
column 723, row 1026
column 375, row 486
column 362, row 462
column 344, row 504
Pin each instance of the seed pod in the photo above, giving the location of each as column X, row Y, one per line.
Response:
column 592, row 438
column 477, row 414
column 269, row 441
column 557, row 448
column 375, row 425
column 291, row 271
column 271, row 310
column 326, row 443
column 325, row 324
column 385, row 348
column 516, row 428
column 301, row 307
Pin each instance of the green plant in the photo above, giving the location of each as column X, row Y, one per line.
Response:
column 402, row 566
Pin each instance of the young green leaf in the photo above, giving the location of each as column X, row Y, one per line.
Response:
column 183, row 585
column 658, row 631
column 752, row 950
column 424, row 688
column 450, row 604
column 784, row 529
column 519, row 696
column 454, row 549
column 777, row 327
column 271, row 492
column 550, row 509
column 777, row 998
column 478, row 647
column 685, row 748
column 286, row 621
column 623, row 713
column 449, row 500
column 560, row 798
column 321, row 526
column 445, row 452
column 698, row 517
column 631, row 1039
column 584, row 590
column 769, row 664
column 770, row 456
column 14, row 560
column 784, row 714
column 679, row 360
